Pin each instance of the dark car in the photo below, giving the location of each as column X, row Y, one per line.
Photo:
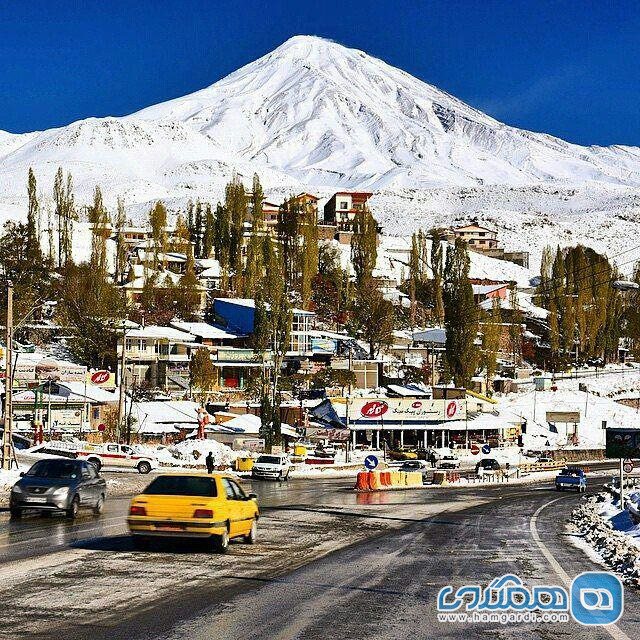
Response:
column 59, row 485
column 488, row 464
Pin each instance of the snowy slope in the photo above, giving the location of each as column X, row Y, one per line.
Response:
column 313, row 114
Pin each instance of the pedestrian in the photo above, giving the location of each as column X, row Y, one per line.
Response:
column 209, row 462
column 432, row 459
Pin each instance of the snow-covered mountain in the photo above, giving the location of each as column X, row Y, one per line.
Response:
column 318, row 115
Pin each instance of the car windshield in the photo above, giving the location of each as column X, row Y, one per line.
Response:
column 574, row 473
column 182, row 486
column 54, row 469
column 268, row 460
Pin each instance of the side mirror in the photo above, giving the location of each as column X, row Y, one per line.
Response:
column 22, row 474
column 252, row 496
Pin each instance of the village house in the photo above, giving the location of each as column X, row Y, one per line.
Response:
column 343, row 207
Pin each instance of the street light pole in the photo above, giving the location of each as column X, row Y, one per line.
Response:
column 8, row 452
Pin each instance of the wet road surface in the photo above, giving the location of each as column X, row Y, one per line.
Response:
column 330, row 563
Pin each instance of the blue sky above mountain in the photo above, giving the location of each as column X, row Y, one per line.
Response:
column 561, row 68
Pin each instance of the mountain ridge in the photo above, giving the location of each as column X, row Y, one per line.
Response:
column 312, row 114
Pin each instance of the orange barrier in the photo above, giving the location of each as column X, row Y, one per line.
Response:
column 385, row 478
column 375, row 482
column 362, row 482
column 453, row 476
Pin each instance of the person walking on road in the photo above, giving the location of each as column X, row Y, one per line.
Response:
column 432, row 459
column 209, row 462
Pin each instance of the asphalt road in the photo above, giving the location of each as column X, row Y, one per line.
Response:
column 330, row 563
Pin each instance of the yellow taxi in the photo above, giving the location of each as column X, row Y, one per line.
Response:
column 194, row 505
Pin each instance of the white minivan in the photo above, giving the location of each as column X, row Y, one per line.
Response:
column 272, row 465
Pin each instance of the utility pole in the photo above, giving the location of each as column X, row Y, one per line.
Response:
column 121, row 407
column 8, row 452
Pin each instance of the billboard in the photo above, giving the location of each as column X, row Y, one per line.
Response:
column 324, row 345
column 623, row 443
column 378, row 411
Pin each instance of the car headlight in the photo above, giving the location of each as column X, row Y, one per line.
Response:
column 62, row 492
column 16, row 489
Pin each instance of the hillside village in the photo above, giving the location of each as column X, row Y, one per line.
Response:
column 297, row 315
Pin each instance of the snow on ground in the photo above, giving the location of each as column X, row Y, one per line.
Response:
column 611, row 533
column 192, row 453
column 624, row 382
column 594, row 411
column 9, row 478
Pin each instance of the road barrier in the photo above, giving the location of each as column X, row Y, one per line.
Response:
column 379, row 480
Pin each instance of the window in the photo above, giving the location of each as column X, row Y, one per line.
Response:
column 182, row 486
column 228, row 489
column 55, row 469
column 241, row 495
column 96, row 413
column 344, row 205
column 112, row 448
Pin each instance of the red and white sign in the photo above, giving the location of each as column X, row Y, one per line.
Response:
column 410, row 410
column 374, row 409
column 102, row 378
column 102, row 427
column 475, row 449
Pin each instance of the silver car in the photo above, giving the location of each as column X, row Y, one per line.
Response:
column 59, row 485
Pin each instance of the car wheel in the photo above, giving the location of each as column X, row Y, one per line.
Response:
column 96, row 463
column 252, row 536
column 99, row 508
column 144, row 467
column 15, row 513
column 221, row 542
column 72, row 511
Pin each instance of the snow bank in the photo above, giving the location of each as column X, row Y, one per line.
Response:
column 611, row 533
column 192, row 453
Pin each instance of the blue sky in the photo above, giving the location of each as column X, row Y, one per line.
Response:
column 567, row 68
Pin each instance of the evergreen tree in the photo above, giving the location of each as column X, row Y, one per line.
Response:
column 188, row 293
column 222, row 243
column 491, row 333
column 33, row 207
column 100, row 231
column 309, row 255
column 236, row 206
column 460, row 316
column 437, row 272
column 198, row 229
column 288, row 229
column 181, row 238
column 208, row 237
column 121, row 245
column 158, row 224
column 66, row 214
column 364, row 246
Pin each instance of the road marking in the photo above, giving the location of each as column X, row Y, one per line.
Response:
column 613, row 630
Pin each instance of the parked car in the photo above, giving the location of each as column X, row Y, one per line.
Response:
column 488, row 464
column 449, row 462
column 275, row 466
column 194, row 505
column 112, row 454
column 571, row 478
column 544, row 460
column 59, row 485
column 402, row 454
column 414, row 465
